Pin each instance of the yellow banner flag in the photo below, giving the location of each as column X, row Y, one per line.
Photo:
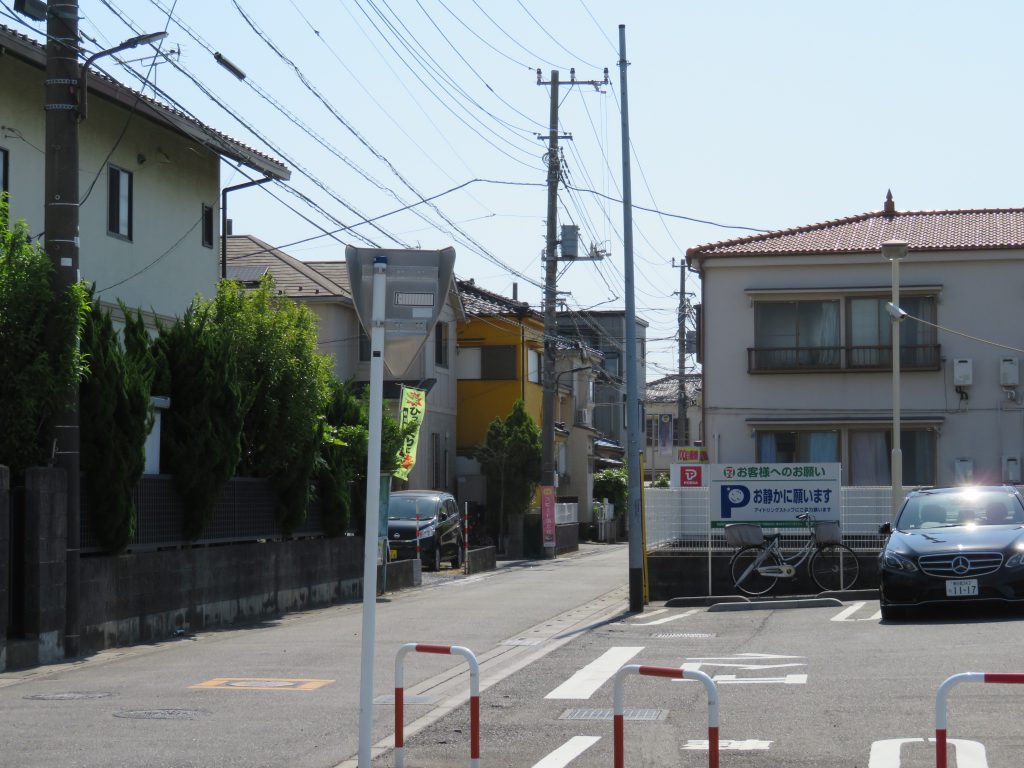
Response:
column 414, row 405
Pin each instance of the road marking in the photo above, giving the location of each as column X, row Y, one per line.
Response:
column 844, row 614
column 886, row 753
column 264, row 683
column 666, row 620
column 693, row 665
column 587, row 680
column 744, row 656
column 568, row 752
column 736, row 745
column 648, row 614
column 785, row 680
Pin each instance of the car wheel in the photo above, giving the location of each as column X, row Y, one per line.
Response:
column 459, row 554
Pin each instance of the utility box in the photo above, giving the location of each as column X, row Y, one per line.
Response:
column 1011, row 469
column 963, row 471
column 963, row 372
column 570, row 241
column 1009, row 372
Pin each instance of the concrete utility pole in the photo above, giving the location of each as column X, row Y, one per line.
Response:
column 636, row 554
column 547, row 473
column 683, row 428
column 60, row 222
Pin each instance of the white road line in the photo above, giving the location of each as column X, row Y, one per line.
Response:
column 841, row 616
column 587, row 680
column 648, row 614
column 666, row 620
column 886, row 753
column 568, row 752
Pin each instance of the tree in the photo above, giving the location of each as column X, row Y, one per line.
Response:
column 612, row 484
column 511, row 461
column 116, row 417
column 39, row 347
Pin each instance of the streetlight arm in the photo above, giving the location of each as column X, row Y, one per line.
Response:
column 83, row 78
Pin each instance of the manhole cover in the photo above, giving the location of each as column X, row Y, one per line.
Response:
column 162, row 714
column 69, row 696
column 648, row 715
column 685, row 636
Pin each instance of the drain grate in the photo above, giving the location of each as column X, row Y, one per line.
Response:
column 685, row 636
column 162, row 714
column 644, row 715
column 69, row 696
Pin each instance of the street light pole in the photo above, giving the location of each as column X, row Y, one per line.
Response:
column 894, row 251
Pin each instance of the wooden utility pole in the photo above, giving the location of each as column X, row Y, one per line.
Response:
column 60, row 222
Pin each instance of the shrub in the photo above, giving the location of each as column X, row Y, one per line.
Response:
column 612, row 484
column 511, row 461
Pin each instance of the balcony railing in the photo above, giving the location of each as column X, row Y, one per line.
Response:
column 920, row 357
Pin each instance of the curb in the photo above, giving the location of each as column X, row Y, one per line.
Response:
column 770, row 605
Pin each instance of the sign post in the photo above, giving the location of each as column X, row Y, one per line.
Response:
column 398, row 295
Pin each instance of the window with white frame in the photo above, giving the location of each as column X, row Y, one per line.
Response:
column 533, row 362
column 119, row 202
column 441, row 344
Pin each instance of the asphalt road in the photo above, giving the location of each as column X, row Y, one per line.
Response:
column 821, row 686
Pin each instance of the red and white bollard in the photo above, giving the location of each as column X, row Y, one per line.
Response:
column 940, row 703
column 474, row 697
column 618, row 702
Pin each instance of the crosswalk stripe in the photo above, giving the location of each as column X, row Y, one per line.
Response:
column 587, row 680
column 568, row 752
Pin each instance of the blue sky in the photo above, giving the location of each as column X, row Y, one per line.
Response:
column 754, row 114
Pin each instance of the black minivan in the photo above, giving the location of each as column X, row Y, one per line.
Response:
column 440, row 528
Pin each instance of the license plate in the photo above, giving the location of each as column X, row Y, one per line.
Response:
column 961, row 587
column 394, row 554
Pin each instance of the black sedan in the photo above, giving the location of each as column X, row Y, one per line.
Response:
column 953, row 545
column 429, row 520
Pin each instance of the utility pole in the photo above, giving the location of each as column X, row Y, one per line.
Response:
column 60, row 222
column 683, row 429
column 547, row 472
column 633, row 424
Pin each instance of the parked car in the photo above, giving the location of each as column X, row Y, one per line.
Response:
column 436, row 515
column 953, row 545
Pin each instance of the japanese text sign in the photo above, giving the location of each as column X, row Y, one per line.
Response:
column 773, row 494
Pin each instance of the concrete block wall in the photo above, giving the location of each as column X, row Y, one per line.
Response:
column 45, row 560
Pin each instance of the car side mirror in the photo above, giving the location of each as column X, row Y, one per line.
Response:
column 885, row 529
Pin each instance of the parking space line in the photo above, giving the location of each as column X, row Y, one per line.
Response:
column 665, row 620
column 648, row 614
column 587, row 680
column 568, row 752
column 846, row 613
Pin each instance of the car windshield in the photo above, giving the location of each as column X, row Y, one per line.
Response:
column 407, row 507
column 970, row 506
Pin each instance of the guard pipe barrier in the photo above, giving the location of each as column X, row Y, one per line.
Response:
column 474, row 697
column 618, row 702
column 940, row 703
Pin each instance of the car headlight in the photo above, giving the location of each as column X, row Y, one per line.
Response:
column 897, row 562
column 1016, row 560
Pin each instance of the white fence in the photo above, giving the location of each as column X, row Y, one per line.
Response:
column 566, row 514
column 680, row 518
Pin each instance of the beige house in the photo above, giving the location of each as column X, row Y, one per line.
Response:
column 323, row 286
column 796, row 346
column 663, row 400
column 149, row 183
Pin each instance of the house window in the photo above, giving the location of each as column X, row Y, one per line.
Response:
column 208, row 226
column 364, row 346
column 4, row 171
column 871, row 457
column 441, row 345
column 498, row 362
column 533, row 363
column 119, row 202
column 788, row 447
column 870, row 333
column 796, row 334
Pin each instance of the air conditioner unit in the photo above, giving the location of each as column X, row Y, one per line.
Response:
column 583, row 417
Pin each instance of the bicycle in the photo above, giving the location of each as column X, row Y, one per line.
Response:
column 758, row 563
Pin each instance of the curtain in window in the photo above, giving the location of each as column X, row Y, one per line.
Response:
column 828, row 334
column 818, row 447
column 869, row 458
column 766, row 451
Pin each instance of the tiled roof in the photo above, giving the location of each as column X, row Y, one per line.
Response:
column 294, row 278
column 482, row 303
column 28, row 49
column 335, row 271
column 956, row 230
column 666, row 389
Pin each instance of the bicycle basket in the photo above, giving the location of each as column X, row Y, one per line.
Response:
column 744, row 535
column 828, row 532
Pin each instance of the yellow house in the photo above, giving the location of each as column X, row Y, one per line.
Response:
column 500, row 349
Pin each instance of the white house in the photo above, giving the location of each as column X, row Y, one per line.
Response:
column 149, row 183
column 795, row 344
column 323, row 286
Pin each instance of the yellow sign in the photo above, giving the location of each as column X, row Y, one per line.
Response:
column 264, row 683
column 413, row 405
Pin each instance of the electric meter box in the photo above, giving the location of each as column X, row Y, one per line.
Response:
column 963, row 372
column 1009, row 372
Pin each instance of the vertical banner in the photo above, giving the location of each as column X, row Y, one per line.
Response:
column 413, row 406
column 547, row 514
column 665, row 434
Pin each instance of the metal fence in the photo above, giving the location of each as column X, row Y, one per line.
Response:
column 566, row 513
column 680, row 518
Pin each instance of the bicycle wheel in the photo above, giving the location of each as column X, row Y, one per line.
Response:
column 834, row 567
column 752, row 583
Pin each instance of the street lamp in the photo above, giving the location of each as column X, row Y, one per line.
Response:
column 83, row 78
column 894, row 251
